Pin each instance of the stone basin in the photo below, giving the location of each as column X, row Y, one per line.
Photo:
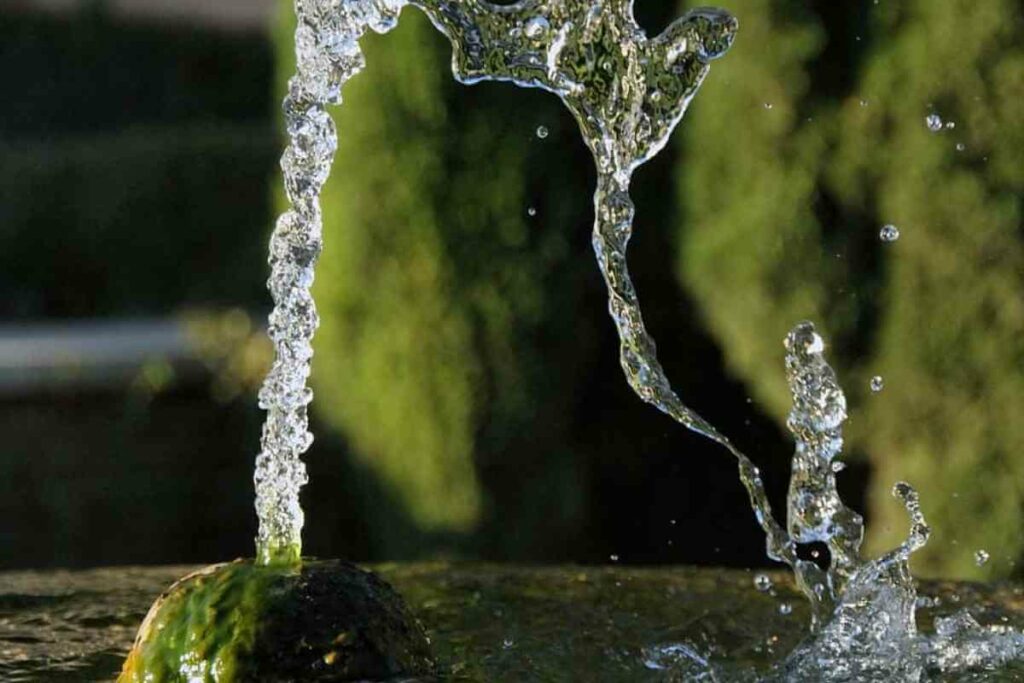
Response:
column 489, row 622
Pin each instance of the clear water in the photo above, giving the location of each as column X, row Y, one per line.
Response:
column 495, row 623
column 627, row 93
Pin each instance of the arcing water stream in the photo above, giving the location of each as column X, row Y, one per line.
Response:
column 627, row 93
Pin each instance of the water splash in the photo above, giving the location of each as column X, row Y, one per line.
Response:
column 863, row 611
column 327, row 55
column 627, row 93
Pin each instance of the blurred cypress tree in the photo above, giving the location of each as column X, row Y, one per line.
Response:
column 782, row 212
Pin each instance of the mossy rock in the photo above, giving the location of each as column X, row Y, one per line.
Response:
column 320, row 621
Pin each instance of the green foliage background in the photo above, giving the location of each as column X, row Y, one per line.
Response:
column 454, row 348
column 782, row 212
column 444, row 342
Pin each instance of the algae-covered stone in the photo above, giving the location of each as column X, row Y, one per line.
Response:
column 319, row 621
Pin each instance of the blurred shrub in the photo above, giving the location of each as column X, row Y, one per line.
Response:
column 87, row 73
column 107, row 225
column 127, row 152
column 782, row 211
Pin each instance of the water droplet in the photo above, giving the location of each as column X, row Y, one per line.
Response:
column 981, row 558
column 531, row 211
column 950, row 125
column 838, row 466
column 785, row 609
column 762, row 583
column 768, row 105
column 889, row 233
column 934, row 122
column 508, row 643
column 613, row 558
column 960, row 146
column 877, row 383
column 536, row 27
column 863, row 103
column 542, row 132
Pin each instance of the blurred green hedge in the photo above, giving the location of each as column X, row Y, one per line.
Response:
column 105, row 225
column 86, row 72
column 126, row 152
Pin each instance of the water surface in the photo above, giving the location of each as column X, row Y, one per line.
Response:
column 491, row 623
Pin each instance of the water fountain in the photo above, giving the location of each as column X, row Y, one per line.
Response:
column 249, row 620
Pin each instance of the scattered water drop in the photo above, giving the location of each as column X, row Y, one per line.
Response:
column 934, row 122
column 960, row 146
column 768, row 105
column 950, row 125
column 531, row 211
column 785, row 609
column 863, row 103
column 838, row 466
column 536, row 27
column 981, row 558
column 613, row 558
column 877, row 383
column 599, row 82
column 889, row 233
column 508, row 643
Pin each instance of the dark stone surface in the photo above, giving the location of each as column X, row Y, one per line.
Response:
column 337, row 622
column 241, row 622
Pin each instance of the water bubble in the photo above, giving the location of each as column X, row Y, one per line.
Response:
column 934, row 122
column 536, row 27
column 762, row 583
column 960, row 146
column 877, row 383
column 785, row 609
column 889, row 233
column 542, row 132
column 981, row 558
column 531, row 211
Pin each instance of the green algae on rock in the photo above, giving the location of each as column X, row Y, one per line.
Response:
column 323, row 621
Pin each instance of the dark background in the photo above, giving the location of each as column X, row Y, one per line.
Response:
column 138, row 175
